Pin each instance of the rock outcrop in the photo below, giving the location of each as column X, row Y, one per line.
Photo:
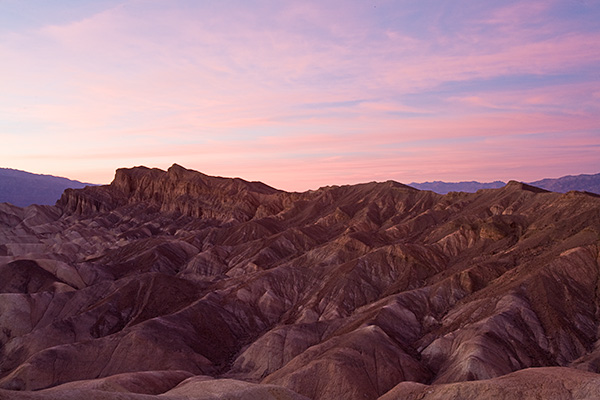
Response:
column 178, row 284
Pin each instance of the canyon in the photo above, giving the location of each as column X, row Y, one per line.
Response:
column 179, row 285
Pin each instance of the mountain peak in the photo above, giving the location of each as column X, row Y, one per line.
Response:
column 178, row 190
column 524, row 186
column 176, row 166
column 179, row 172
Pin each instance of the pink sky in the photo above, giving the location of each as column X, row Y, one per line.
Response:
column 302, row 94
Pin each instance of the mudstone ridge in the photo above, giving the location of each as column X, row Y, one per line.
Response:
column 178, row 285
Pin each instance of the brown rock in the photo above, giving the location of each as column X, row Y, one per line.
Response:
column 353, row 292
column 528, row 384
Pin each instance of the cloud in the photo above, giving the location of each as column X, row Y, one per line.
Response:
column 338, row 90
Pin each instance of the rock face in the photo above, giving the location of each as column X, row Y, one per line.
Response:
column 528, row 384
column 182, row 285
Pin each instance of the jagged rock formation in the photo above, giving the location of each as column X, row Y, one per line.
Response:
column 190, row 286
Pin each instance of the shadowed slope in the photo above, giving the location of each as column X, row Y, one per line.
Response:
column 344, row 291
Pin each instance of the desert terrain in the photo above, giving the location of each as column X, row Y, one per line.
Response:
column 177, row 285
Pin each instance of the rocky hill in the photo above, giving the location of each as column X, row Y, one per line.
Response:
column 22, row 188
column 177, row 285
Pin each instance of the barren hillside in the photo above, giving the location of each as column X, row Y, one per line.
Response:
column 188, row 286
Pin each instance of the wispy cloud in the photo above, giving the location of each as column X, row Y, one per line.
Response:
column 313, row 90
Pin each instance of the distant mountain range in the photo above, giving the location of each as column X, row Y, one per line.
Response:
column 582, row 183
column 446, row 187
column 22, row 188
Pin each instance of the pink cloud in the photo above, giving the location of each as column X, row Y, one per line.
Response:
column 572, row 98
column 317, row 88
column 520, row 14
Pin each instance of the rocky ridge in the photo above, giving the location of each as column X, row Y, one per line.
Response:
column 175, row 283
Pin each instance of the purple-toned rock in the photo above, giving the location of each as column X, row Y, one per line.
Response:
column 174, row 284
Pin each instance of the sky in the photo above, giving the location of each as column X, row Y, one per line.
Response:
column 302, row 94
